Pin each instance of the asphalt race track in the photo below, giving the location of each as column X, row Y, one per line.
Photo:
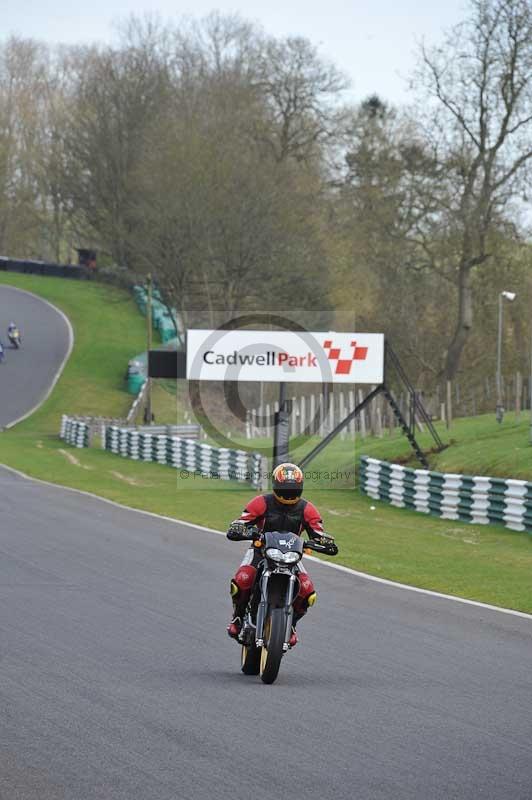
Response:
column 117, row 680
column 27, row 374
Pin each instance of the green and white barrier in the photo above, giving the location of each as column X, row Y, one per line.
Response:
column 185, row 454
column 74, row 431
column 481, row 500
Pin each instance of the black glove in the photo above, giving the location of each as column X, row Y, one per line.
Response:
column 239, row 531
column 328, row 543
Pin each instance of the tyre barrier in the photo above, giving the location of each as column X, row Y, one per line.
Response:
column 192, row 457
column 477, row 499
column 74, row 431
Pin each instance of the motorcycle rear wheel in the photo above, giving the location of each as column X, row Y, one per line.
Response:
column 251, row 659
column 272, row 651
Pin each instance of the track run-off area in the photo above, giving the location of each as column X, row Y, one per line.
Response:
column 118, row 681
column 28, row 375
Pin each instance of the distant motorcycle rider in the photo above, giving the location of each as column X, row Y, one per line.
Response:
column 13, row 332
column 282, row 510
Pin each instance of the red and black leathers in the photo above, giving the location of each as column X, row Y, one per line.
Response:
column 268, row 514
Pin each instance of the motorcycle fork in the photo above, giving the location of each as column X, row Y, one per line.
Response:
column 288, row 610
column 261, row 613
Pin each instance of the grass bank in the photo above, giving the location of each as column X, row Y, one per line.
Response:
column 482, row 563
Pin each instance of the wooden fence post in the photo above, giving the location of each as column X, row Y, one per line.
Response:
column 352, row 404
column 311, row 413
column 302, row 413
column 343, row 415
column 293, row 417
column 362, row 415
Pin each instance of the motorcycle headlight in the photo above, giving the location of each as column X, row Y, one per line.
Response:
column 285, row 558
column 290, row 558
column 274, row 553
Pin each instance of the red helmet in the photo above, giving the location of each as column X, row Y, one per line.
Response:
column 287, row 483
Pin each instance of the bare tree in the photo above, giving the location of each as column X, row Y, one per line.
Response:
column 479, row 89
column 302, row 92
column 23, row 70
column 117, row 94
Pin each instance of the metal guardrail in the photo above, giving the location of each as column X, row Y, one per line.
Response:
column 26, row 266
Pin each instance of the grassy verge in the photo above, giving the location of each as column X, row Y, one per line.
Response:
column 488, row 564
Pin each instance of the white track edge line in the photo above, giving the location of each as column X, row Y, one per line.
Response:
column 339, row 567
column 48, row 392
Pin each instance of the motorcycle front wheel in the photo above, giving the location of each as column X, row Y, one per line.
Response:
column 272, row 651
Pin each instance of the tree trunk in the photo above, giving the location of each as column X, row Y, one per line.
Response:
column 463, row 325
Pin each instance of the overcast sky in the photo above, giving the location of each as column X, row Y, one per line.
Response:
column 372, row 42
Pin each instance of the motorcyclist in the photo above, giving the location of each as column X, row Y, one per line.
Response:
column 2, row 351
column 282, row 510
column 12, row 331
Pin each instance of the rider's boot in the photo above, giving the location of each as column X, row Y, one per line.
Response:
column 293, row 637
column 235, row 626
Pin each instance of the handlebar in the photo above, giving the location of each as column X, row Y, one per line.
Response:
column 327, row 547
column 320, row 544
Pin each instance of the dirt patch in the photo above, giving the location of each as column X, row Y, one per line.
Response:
column 71, row 458
column 127, row 479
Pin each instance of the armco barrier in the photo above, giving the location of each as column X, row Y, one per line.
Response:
column 29, row 267
column 185, row 454
column 481, row 500
column 74, row 431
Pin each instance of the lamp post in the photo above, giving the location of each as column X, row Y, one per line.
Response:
column 499, row 411
column 147, row 409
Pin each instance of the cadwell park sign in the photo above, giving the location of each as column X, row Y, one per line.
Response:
column 285, row 356
column 233, row 355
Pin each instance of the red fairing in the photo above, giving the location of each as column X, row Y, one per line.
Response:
column 244, row 577
column 254, row 511
column 306, row 587
column 312, row 519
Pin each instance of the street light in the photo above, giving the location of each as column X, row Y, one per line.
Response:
column 499, row 412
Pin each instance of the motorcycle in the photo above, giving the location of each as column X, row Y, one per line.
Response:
column 2, row 353
column 267, row 623
column 14, row 338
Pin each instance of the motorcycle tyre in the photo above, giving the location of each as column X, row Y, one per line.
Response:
column 270, row 659
column 251, row 660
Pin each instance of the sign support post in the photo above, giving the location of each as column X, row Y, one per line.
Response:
column 281, row 433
